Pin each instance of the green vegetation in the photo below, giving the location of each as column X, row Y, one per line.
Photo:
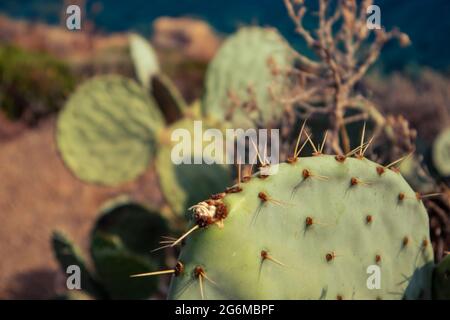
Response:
column 32, row 85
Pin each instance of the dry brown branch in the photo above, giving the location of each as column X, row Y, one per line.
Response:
column 344, row 53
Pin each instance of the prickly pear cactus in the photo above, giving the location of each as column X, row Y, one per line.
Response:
column 145, row 60
column 242, row 73
column 441, row 280
column 136, row 225
column 106, row 132
column 114, row 263
column 413, row 171
column 168, row 98
column 119, row 247
column 110, row 130
column 310, row 231
column 441, row 153
column 179, row 183
column 68, row 254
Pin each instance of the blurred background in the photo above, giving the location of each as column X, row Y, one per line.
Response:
column 41, row 63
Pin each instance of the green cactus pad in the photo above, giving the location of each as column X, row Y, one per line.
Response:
column 69, row 254
column 412, row 170
column 183, row 185
column 106, row 132
column 441, row 280
column 139, row 228
column 310, row 231
column 114, row 265
column 441, row 153
column 144, row 58
column 169, row 99
column 243, row 62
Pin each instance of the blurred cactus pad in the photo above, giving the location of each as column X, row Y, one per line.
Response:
column 441, row 153
column 144, row 59
column 441, row 280
column 107, row 130
column 242, row 73
column 113, row 128
column 119, row 247
column 310, row 231
column 32, row 85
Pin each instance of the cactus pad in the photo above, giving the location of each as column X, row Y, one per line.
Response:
column 180, row 183
column 441, row 153
column 310, row 231
column 145, row 60
column 441, row 280
column 168, row 98
column 106, row 132
column 136, row 226
column 119, row 247
column 413, row 171
column 69, row 254
column 242, row 73
column 114, row 264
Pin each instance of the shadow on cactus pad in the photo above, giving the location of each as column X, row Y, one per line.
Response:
column 121, row 241
column 114, row 264
column 139, row 228
column 441, row 280
column 185, row 184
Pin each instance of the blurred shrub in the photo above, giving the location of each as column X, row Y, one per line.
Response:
column 32, row 85
column 422, row 97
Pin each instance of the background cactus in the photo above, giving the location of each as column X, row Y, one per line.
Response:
column 241, row 83
column 119, row 247
column 441, row 280
column 168, row 97
column 180, row 183
column 111, row 129
column 310, row 232
column 144, row 58
column 416, row 174
column 149, row 74
column 69, row 254
column 441, row 153
column 106, row 132
column 135, row 225
column 113, row 265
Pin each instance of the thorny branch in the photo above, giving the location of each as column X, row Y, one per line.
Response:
column 345, row 51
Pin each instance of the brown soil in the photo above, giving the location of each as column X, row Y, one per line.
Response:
column 37, row 195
